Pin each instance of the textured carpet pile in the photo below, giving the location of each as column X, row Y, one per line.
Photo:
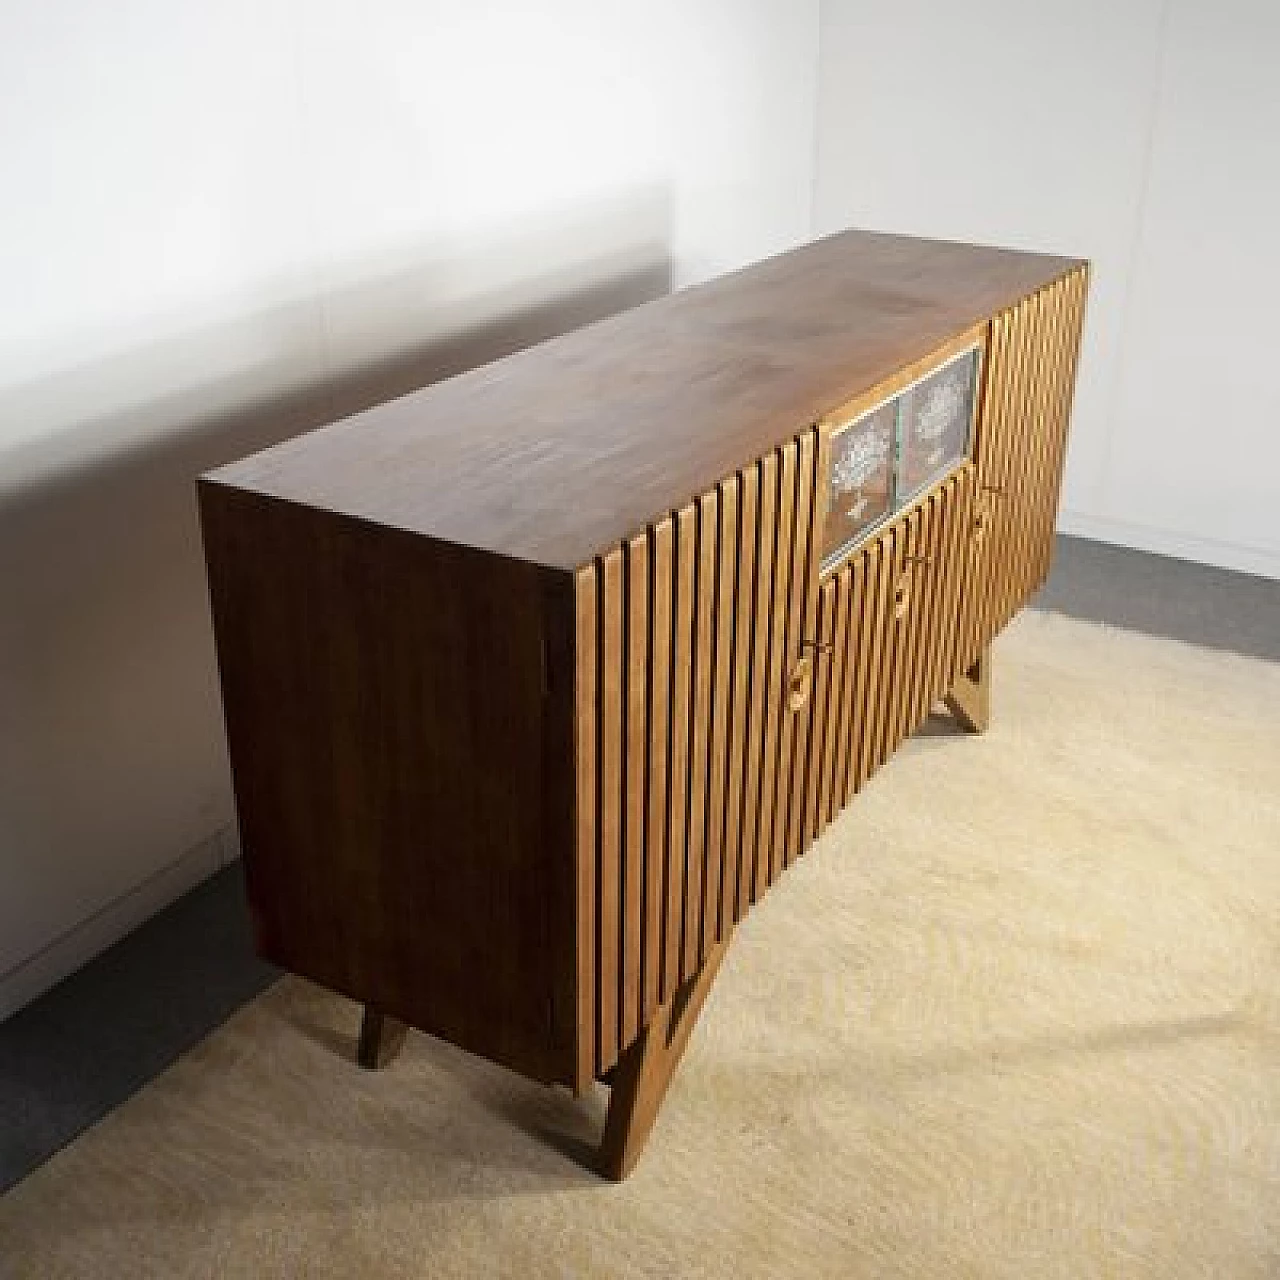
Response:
column 1016, row 1015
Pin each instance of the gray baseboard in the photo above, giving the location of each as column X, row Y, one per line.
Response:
column 1158, row 595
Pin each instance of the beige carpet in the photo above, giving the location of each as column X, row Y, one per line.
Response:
column 1017, row 1015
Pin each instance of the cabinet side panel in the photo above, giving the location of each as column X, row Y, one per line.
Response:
column 389, row 702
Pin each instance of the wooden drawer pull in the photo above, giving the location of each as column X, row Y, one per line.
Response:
column 902, row 597
column 981, row 522
column 800, row 683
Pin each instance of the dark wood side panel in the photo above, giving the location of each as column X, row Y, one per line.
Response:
column 400, row 715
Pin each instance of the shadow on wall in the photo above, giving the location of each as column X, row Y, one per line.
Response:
column 112, row 759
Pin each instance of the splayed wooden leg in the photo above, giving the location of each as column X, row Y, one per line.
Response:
column 380, row 1039
column 644, row 1072
column 970, row 699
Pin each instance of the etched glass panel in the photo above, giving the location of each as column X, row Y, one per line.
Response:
column 936, row 415
column 860, row 491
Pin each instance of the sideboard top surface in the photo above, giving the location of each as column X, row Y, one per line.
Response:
column 558, row 452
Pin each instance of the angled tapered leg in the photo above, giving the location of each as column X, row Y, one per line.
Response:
column 643, row 1074
column 970, row 699
column 380, row 1038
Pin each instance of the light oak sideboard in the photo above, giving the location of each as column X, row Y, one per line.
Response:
column 537, row 679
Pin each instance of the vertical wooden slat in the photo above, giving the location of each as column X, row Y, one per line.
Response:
column 859, row 646
column 726, row 592
column 952, row 540
column 862, row 649
column 998, row 479
column 924, row 575
column 700, row 730
column 1026, row 475
column 661, row 622
column 1079, row 285
column 942, row 621
column 1036, row 502
column 898, row 634
column 804, row 585
column 741, row 727
column 978, row 581
column 794, row 557
column 929, row 574
column 847, row 591
column 761, row 614
column 1020, row 444
column 586, row 638
column 721, row 695
column 1069, row 329
column 818, row 734
column 611, row 752
column 635, row 783
column 974, row 580
column 1061, row 398
column 953, row 607
column 678, row 788
column 877, row 695
column 915, row 623
column 775, row 701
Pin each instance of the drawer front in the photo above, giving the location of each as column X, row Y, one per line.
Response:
column 887, row 633
column 693, row 702
column 1021, row 444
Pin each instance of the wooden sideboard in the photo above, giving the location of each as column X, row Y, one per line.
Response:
column 537, row 679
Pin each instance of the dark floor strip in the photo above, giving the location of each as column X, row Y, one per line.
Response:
column 81, row 1049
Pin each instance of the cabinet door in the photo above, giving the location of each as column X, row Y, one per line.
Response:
column 694, row 705
column 887, row 624
column 1019, row 454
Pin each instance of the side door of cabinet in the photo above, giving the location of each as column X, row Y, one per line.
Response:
column 1019, row 453
column 693, row 712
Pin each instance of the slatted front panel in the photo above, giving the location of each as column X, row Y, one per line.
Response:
column 696, row 784
column 692, row 771
column 886, row 626
column 1021, row 445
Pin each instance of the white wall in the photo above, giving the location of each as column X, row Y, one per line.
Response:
column 1143, row 135
column 223, row 223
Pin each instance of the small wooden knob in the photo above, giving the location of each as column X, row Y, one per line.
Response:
column 902, row 597
column 800, row 683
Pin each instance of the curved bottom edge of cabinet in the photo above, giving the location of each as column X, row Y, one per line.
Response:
column 639, row 1080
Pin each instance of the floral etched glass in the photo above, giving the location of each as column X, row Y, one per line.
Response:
column 937, row 413
column 860, row 491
